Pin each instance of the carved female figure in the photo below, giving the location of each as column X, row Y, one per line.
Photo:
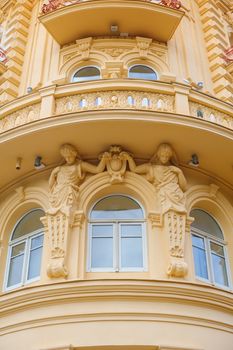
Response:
column 65, row 179
column 167, row 178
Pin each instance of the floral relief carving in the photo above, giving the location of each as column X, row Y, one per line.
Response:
column 115, row 51
column 211, row 114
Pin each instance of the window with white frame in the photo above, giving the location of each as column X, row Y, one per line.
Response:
column 116, row 235
column 25, row 250
column 209, row 249
column 140, row 71
column 86, row 74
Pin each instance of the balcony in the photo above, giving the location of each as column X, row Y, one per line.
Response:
column 95, row 17
column 99, row 113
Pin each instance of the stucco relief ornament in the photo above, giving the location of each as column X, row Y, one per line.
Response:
column 170, row 185
column 116, row 162
column 64, row 185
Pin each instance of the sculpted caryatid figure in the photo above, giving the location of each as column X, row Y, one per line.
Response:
column 167, row 178
column 65, row 179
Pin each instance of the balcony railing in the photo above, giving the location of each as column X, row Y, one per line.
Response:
column 92, row 18
column 53, row 5
column 102, row 95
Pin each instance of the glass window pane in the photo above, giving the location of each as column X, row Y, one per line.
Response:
column 102, row 231
column 102, row 252
column 131, row 252
column 37, row 241
column 198, row 241
column 117, row 207
column 18, row 249
column 29, row 223
column 86, row 74
column 217, row 249
column 34, row 263
column 142, row 72
column 131, row 230
column 220, row 272
column 200, row 263
column 15, row 271
column 204, row 222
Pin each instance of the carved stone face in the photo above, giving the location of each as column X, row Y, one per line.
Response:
column 69, row 157
column 164, row 156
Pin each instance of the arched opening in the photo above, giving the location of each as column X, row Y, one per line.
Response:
column 117, row 235
column 86, row 74
column 25, row 250
column 140, row 71
column 209, row 249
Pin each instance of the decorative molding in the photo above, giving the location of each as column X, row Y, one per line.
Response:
column 21, row 193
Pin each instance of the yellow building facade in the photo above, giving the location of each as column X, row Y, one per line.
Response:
column 116, row 182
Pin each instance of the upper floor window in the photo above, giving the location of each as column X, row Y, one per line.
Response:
column 209, row 249
column 116, row 235
column 86, row 74
column 140, row 71
column 25, row 250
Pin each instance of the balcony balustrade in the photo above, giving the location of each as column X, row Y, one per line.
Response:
column 115, row 106
column 124, row 94
column 83, row 18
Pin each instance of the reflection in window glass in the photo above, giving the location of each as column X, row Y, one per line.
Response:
column 142, row 72
column 116, row 234
column 208, row 249
column 117, row 207
column 25, row 250
column 86, row 74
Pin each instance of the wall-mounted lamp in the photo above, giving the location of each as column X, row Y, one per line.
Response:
column 18, row 163
column 114, row 28
column 194, row 161
column 38, row 163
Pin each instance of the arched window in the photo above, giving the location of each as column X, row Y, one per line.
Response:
column 140, row 71
column 25, row 250
column 86, row 74
column 116, row 235
column 209, row 249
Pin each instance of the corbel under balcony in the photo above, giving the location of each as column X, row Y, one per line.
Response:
column 111, row 18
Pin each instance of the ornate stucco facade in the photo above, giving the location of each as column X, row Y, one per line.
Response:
column 155, row 146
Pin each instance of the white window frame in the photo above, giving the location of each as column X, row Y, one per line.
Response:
column 210, row 270
column 116, row 240
column 27, row 239
column 83, row 81
column 144, row 65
